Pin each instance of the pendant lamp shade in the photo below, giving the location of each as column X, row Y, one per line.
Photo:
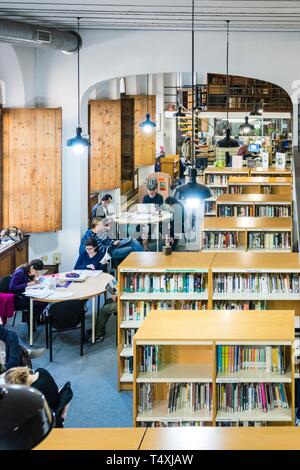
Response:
column 78, row 143
column 246, row 128
column 148, row 125
column 227, row 141
column 193, row 193
column 25, row 417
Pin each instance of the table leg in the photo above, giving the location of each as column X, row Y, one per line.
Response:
column 157, row 238
column 31, row 322
column 93, row 318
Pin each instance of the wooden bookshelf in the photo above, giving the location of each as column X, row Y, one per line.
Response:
column 270, row 172
column 136, row 304
column 254, row 205
column 243, row 229
column 170, row 165
column 260, row 185
column 188, row 345
column 217, row 178
column 244, row 94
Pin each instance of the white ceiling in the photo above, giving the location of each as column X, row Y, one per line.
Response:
column 166, row 15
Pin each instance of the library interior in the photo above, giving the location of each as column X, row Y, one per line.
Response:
column 149, row 225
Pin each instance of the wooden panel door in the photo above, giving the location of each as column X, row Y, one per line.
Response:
column 144, row 144
column 31, row 166
column 105, row 152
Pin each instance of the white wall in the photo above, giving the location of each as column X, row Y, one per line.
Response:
column 49, row 78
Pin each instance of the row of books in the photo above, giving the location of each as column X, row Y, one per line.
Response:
column 239, row 189
column 189, row 397
column 240, row 305
column 216, row 192
column 234, row 397
column 262, row 283
column 128, row 337
column 151, row 358
column 145, row 397
column 273, row 240
column 235, row 211
column 170, row 424
column 165, row 283
column 138, row 310
column 210, row 207
column 217, row 179
column 272, row 211
column 213, row 240
column 236, row 358
column 128, row 365
column 241, row 424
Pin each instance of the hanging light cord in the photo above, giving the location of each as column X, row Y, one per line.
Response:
column 227, row 73
column 193, row 83
column 78, row 76
column 147, row 93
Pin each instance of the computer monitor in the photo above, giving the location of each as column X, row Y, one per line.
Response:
column 254, row 148
column 201, row 163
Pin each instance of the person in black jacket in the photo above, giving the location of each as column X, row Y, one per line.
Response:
column 152, row 196
column 43, row 381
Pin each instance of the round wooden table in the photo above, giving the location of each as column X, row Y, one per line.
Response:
column 88, row 289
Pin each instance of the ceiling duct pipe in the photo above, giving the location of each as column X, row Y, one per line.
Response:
column 24, row 34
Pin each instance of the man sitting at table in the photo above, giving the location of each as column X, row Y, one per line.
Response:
column 115, row 248
column 92, row 256
column 152, row 196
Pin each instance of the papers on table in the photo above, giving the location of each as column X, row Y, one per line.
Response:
column 47, row 294
column 91, row 273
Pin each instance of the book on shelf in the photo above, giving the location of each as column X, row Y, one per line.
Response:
column 272, row 240
column 232, row 359
column 240, row 305
column 189, row 397
column 272, row 211
column 128, row 337
column 138, row 310
column 177, row 283
column 128, row 365
column 220, row 240
column 218, row 191
column 145, row 396
column 233, row 189
column 235, row 211
column 163, row 423
column 151, row 359
column 237, row 397
column 256, row 283
column 241, row 424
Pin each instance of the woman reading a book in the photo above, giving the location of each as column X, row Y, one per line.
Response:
column 92, row 257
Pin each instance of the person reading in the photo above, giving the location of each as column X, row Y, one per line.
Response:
column 92, row 257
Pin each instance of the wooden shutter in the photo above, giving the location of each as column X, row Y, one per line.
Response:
column 105, row 152
column 31, row 169
column 144, row 144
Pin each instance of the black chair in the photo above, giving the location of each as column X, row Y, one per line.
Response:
column 65, row 316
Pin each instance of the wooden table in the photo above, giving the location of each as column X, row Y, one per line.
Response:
column 264, row 438
column 135, row 218
column 88, row 289
column 93, row 439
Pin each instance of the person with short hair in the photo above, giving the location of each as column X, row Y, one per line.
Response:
column 152, row 196
column 91, row 257
column 101, row 208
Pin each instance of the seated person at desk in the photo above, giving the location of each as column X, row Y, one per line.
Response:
column 102, row 209
column 109, row 308
column 152, row 196
column 91, row 257
column 24, row 276
column 99, row 230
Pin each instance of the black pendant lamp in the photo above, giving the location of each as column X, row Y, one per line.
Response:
column 78, row 143
column 25, row 417
column 193, row 193
column 227, row 141
column 246, row 128
column 147, row 125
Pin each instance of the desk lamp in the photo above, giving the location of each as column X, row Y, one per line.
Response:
column 25, row 417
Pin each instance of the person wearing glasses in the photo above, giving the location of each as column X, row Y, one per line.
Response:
column 91, row 257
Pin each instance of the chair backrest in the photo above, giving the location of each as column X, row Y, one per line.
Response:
column 4, row 284
column 66, row 314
